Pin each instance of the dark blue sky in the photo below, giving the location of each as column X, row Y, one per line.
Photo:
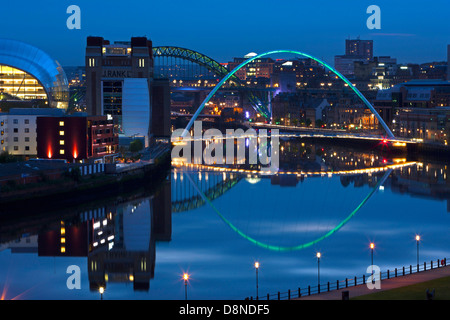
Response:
column 411, row 31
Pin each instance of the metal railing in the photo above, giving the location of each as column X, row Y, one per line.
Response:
column 351, row 282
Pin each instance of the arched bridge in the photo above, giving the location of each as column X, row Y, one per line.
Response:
column 298, row 53
column 213, row 185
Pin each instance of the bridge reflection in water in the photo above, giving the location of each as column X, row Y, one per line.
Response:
column 120, row 238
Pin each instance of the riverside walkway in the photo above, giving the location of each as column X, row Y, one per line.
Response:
column 386, row 284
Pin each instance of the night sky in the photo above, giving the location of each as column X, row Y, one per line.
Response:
column 411, row 31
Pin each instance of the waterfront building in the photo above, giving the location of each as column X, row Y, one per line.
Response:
column 29, row 77
column 417, row 109
column 76, row 138
column 18, row 129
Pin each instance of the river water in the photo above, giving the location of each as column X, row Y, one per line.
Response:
column 214, row 224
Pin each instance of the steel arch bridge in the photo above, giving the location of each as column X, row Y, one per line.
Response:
column 195, row 57
column 213, row 66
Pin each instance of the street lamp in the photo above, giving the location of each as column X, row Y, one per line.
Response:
column 101, row 290
column 372, row 246
column 318, row 255
column 186, row 278
column 256, row 268
column 417, row 240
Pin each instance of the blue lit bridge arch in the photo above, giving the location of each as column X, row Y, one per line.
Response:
column 327, row 66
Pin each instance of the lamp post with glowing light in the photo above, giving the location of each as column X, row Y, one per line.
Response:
column 372, row 246
column 185, row 278
column 101, row 290
column 417, row 240
column 256, row 268
column 318, row 255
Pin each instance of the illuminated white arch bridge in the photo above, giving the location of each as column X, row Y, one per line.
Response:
column 389, row 133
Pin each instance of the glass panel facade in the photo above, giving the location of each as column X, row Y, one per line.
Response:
column 30, row 72
column 16, row 84
column 112, row 101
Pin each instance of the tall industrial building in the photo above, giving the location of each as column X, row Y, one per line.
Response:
column 118, row 83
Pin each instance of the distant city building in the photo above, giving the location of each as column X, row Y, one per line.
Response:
column 356, row 50
column 359, row 48
column 417, row 109
column 76, row 138
column 258, row 68
column 292, row 109
column 30, row 78
column 448, row 62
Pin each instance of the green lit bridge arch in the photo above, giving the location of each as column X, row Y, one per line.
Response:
column 212, row 66
column 298, row 246
column 337, row 73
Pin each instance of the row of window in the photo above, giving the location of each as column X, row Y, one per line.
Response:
column 16, row 130
column 16, row 148
column 15, row 121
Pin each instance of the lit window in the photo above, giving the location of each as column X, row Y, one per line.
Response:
column 61, row 123
column 61, row 151
column 63, row 249
column 61, row 133
column 61, row 142
column 63, row 240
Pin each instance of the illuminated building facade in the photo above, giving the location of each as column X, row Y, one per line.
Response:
column 258, row 68
column 76, row 137
column 30, row 78
column 18, row 129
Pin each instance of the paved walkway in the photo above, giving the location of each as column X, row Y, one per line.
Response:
column 386, row 284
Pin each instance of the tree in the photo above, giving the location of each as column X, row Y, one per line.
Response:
column 136, row 145
column 319, row 123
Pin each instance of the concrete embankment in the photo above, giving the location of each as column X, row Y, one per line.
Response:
column 71, row 189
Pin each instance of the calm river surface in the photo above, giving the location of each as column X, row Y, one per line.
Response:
column 138, row 246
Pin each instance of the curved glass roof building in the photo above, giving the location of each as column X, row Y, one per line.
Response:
column 28, row 73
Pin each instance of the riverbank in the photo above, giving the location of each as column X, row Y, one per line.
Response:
column 389, row 287
column 72, row 189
